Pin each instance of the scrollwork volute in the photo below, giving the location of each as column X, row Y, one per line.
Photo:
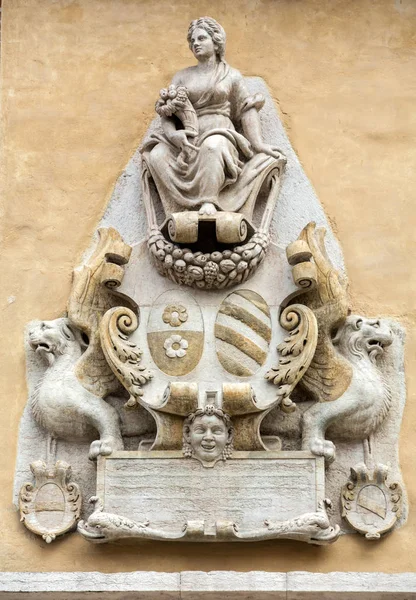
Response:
column 123, row 355
column 95, row 290
column 296, row 352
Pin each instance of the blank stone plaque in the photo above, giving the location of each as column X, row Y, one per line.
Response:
column 248, row 489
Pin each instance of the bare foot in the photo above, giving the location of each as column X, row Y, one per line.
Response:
column 207, row 209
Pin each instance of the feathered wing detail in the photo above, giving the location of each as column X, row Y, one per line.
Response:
column 329, row 374
column 93, row 292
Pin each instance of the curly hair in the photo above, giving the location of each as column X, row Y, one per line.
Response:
column 214, row 29
column 209, row 410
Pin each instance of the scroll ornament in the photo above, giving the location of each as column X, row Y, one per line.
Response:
column 123, row 355
column 77, row 377
column 296, row 352
column 93, row 292
column 343, row 374
column 313, row 528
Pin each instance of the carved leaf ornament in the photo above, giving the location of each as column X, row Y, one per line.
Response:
column 123, row 355
column 210, row 199
column 296, row 351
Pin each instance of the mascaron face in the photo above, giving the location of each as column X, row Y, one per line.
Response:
column 202, row 44
column 208, row 436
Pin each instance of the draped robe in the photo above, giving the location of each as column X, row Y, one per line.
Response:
column 225, row 171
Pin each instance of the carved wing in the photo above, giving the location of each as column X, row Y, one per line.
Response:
column 93, row 292
column 329, row 374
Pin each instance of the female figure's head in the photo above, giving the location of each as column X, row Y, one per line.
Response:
column 207, row 435
column 206, row 38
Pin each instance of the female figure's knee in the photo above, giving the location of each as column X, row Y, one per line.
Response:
column 158, row 154
column 214, row 144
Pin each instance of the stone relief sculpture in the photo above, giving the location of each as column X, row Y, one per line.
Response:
column 369, row 504
column 352, row 393
column 247, row 390
column 209, row 165
column 208, row 435
column 52, row 506
column 364, row 405
column 313, row 527
column 68, row 398
column 60, row 403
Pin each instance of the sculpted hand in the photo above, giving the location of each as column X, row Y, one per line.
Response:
column 269, row 150
column 180, row 139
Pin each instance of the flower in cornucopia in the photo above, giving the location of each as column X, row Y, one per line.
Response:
column 175, row 315
column 175, row 346
column 172, row 100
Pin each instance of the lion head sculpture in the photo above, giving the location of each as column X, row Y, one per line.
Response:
column 51, row 339
column 362, row 337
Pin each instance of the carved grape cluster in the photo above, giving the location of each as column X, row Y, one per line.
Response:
column 219, row 269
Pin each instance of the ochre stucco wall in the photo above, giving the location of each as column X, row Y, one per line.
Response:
column 79, row 83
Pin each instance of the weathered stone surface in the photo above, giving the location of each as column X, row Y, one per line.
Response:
column 214, row 180
column 137, row 281
column 297, row 204
column 247, row 490
column 51, row 506
column 213, row 585
column 349, row 586
column 255, row 495
column 77, row 585
column 60, row 403
column 370, row 503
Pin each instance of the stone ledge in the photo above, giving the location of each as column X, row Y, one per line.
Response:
column 215, row 585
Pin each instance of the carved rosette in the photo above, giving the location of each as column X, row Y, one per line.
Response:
column 369, row 504
column 123, row 355
column 296, row 351
column 52, row 506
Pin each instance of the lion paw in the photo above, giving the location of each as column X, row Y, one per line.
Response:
column 104, row 447
column 323, row 448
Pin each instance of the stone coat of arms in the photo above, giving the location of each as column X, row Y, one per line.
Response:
column 212, row 373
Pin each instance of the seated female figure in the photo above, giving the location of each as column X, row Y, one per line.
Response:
column 211, row 166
